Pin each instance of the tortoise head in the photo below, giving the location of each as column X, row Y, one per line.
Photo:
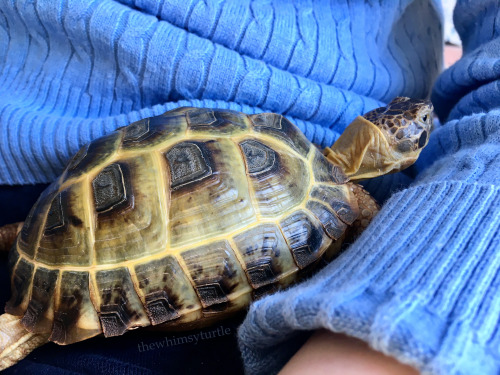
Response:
column 384, row 140
column 407, row 123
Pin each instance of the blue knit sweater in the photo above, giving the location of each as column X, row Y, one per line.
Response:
column 422, row 282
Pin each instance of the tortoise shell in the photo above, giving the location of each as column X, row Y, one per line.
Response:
column 174, row 219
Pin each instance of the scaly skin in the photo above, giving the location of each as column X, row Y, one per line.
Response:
column 8, row 234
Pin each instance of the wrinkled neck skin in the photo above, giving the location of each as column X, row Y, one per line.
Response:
column 364, row 151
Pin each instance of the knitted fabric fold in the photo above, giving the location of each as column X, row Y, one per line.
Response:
column 72, row 71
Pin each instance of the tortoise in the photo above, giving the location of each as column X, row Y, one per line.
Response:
column 188, row 216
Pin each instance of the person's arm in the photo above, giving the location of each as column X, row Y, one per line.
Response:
column 335, row 354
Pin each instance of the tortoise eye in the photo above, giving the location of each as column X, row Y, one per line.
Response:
column 422, row 140
column 424, row 119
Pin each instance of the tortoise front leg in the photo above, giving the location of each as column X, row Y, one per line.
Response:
column 8, row 234
column 368, row 208
column 15, row 341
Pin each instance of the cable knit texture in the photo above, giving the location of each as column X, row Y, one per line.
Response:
column 421, row 284
column 72, row 71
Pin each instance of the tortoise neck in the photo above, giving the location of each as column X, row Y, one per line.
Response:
column 363, row 151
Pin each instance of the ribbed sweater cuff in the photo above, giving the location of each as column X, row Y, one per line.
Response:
column 421, row 284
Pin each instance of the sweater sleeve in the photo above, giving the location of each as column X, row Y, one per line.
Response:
column 422, row 282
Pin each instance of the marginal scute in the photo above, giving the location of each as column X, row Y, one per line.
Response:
column 120, row 309
column 216, row 273
column 165, row 290
column 333, row 226
column 204, row 120
column 75, row 318
column 305, row 237
column 154, row 132
column 39, row 314
column 159, row 308
column 268, row 120
column 64, row 240
column 339, row 199
column 94, row 154
column 21, row 282
column 78, row 157
column 258, row 157
column 109, row 188
column 265, row 253
column 136, row 131
column 28, row 238
column 12, row 258
column 325, row 171
column 279, row 127
column 187, row 163
column 201, row 117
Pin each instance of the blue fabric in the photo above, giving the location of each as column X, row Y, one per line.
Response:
column 73, row 71
column 421, row 284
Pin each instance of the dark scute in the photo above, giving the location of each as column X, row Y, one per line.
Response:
column 265, row 290
column 202, row 117
column 42, row 292
column 62, row 323
column 136, row 131
column 109, row 188
column 55, row 216
column 259, row 158
column 261, row 271
column 220, row 275
column 21, row 283
column 160, row 310
column 114, row 322
column 78, row 157
column 212, row 294
column 261, row 248
column 269, row 120
column 338, row 175
column 326, row 171
column 152, row 131
column 97, row 152
column 304, row 238
column 188, row 162
column 333, row 226
column 279, row 127
column 29, row 233
column 117, row 300
column 337, row 200
column 166, row 288
column 12, row 258
column 224, row 121
column 422, row 140
column 74, row 292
